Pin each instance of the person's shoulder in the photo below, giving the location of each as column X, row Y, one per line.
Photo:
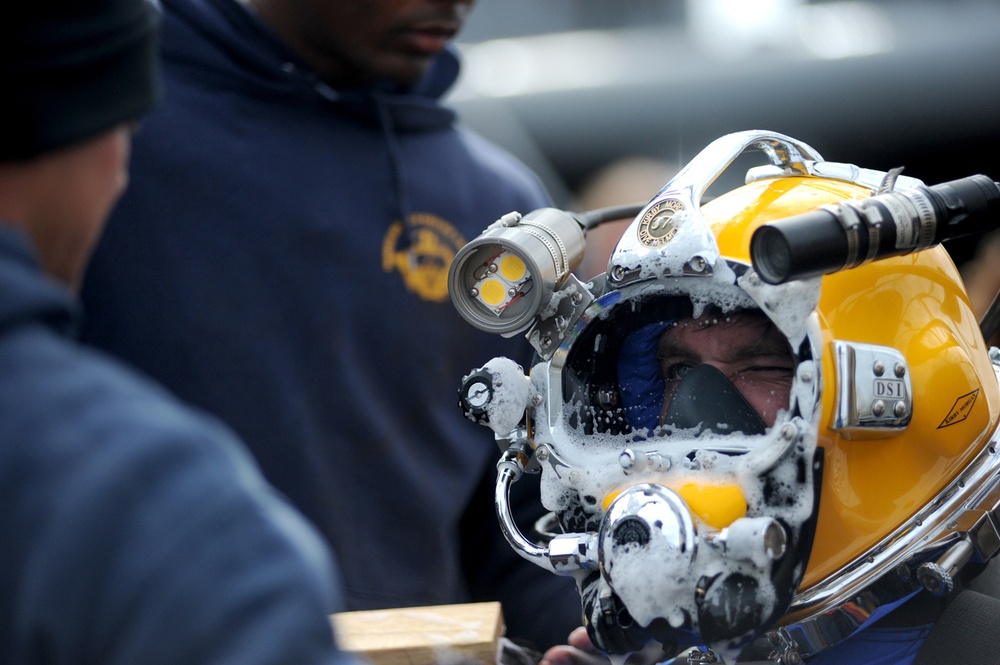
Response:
column 81, row 401
column 501, row 166
column 160, row 510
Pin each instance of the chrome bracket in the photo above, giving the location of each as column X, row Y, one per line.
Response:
column 874, row 392
column 554, row 322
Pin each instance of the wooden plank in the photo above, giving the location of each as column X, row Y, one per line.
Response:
column 431, row 635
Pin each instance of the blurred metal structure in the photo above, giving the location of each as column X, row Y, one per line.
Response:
column 888, row 83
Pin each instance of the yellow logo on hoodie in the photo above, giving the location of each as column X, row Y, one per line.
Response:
column 422, row 250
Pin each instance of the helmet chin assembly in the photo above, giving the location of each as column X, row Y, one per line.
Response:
column 692, row 513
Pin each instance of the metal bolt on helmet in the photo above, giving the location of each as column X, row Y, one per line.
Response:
column 713, row 417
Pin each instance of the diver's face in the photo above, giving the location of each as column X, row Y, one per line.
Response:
column 746, row 347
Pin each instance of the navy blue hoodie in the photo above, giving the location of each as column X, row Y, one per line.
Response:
column 280, row 259
column 133, row 529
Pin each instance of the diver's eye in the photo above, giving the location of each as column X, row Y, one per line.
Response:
column 781, row 371
column 677, row 371
column 766, row 372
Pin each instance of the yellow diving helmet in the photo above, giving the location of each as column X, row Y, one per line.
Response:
column 767, row 509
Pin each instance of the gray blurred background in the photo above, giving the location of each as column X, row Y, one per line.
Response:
column 574, row 86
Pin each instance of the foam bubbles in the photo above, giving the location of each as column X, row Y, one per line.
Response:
column 511, row 390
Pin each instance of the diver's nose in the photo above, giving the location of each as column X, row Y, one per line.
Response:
column 705, row 398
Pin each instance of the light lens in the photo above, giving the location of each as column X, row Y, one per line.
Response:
column 512, row 268
column 500, row 281
column 492, row 293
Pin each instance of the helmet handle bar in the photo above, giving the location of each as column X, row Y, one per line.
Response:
column 564, row 554
column 782, row 151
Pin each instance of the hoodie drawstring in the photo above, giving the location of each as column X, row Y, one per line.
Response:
column 396, row 159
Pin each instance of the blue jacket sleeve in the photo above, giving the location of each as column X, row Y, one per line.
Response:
column 138, row 531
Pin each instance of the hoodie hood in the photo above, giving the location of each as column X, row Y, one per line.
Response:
column 237, row 50
column 26, row 296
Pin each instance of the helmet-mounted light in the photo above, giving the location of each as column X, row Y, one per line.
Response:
column 501, row 280
column 504, row 280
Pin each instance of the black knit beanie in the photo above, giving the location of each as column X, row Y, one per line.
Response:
column 73, row 69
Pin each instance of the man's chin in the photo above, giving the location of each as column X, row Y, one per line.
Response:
column 403, row 68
